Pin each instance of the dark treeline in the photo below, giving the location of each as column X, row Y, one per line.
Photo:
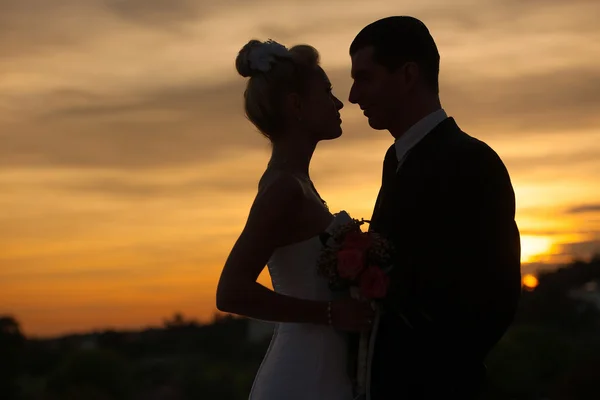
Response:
column 551, row 352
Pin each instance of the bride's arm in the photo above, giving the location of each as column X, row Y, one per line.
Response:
column 268, row 224
column 238, row 291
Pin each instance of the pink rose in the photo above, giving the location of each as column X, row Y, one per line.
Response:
column 357, row 240
column 350, row 263
column 374, row 283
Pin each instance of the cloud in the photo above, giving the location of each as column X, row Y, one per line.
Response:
column 99, row 106
column 37, row 27
column 554, row 101
column 183, row 124
column 159, row 12
column 173, row 126
column 537, row 232
column 567, row 163
column 583, row 209
column 582, row 250
column 215, row 185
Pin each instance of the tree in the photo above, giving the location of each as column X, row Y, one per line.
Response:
column 551, row 303
column 96, row 373
column 178, row 321
column 12, row 343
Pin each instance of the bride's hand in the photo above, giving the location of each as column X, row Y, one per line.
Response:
column 351, row 315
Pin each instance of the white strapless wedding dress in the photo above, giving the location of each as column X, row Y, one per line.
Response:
column 304, row 361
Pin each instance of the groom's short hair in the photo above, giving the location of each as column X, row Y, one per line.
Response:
column 400, row 39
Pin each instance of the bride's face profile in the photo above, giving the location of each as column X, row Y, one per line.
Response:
column 319, row 114
column 288, row 93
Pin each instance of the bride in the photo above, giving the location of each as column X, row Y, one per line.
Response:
column 289, row 99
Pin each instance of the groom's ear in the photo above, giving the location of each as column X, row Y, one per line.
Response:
column 409, row 74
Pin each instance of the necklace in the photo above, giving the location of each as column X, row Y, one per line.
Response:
column 318, row 195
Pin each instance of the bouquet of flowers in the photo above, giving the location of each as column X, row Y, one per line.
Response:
column 358, row 262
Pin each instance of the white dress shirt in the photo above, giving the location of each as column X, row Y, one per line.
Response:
column 416, row 133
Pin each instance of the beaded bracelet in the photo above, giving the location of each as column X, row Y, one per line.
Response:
column 329, row 319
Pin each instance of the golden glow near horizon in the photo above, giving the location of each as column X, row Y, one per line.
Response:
column 532, row 247
column 129, row 167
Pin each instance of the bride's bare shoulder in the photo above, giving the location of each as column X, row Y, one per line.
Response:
column 278, row 189
column 274, row 181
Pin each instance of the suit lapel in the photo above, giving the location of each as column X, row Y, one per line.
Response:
column 389, row 167
column 392, row 176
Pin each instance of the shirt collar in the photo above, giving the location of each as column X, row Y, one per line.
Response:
column 417, row 132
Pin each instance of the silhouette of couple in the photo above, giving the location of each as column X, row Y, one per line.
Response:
column 446, row 203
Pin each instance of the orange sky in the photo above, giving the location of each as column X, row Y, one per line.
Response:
column 128, row 166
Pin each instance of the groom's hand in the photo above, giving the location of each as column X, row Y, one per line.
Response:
column 351, row 315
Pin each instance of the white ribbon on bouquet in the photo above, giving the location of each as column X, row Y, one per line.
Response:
column 366, row 346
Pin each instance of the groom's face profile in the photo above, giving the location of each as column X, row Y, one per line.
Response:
column 377, row 90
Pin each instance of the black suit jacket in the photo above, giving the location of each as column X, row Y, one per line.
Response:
column 450, row 213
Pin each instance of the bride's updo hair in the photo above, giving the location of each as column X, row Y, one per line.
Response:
column 274, row 71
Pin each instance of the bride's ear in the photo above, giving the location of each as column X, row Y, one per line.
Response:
column 293, row 106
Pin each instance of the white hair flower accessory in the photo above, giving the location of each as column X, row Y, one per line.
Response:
column 264, row 55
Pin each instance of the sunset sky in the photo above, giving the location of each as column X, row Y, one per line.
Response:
column 127, row 166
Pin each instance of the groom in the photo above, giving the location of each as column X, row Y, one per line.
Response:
column 447, row 204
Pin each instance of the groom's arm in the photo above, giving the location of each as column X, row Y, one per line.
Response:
column 465, row 274
column 492, row 244
column 482, row 248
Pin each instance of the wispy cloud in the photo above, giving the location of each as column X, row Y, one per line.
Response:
column 550, row 101
column 583, row 209
column 583, row 250
column 188, row 123
column 158, row 13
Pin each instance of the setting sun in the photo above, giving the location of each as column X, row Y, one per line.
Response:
column 534, row 246
column 530, row 281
